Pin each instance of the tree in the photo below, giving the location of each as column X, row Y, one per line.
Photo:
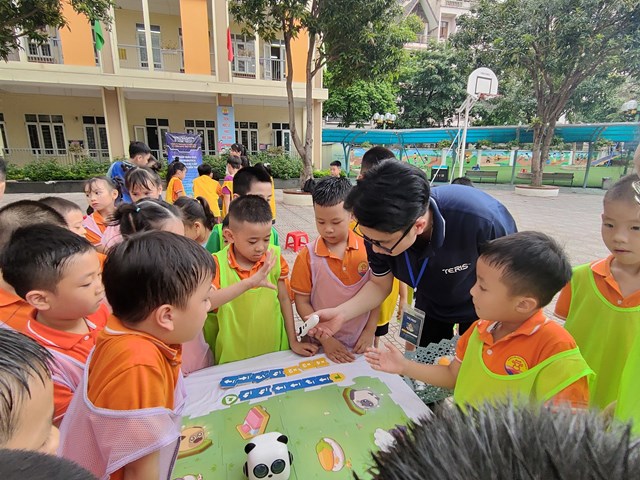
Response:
column 515, row 105
column 31, row 19
column 559, row 44
column 356, row 103
column 598, row 99
column 432, row 87
column 360, row 38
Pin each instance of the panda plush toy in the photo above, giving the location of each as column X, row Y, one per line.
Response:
column 268, row 457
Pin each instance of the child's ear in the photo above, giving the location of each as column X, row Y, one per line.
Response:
column 526, row 305
column 228, row 235
column 235, row 195
column 163, row 316
column 39, row 299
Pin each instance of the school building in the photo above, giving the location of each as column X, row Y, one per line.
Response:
column 165, row 66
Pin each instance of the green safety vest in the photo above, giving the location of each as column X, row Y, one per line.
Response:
column 477, row 384
column 604, row 333
column 249, row 325
column 216, row 240
column 628, row 405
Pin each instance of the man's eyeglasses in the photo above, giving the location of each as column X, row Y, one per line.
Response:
column 377, row 243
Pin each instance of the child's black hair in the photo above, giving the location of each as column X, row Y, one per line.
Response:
column 250, row 209
column 245, row 178
column 390, row 197
column 26, row 464
column 21, row 359
column 88, row 185
column 174, row 167
column 532, row 264
column 24, row 213
column 374, row 156
column 503, row 441
column 235, row 162
column 151, row 269
column 266, row 166
column 623, row 190
column 146, row 214
column 36, row 257
column 204, row 169
column 142, row 176
column 331, row 191
column 196, row 210
column 225, row 222
column 60, row 205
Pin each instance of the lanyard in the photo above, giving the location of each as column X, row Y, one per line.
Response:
column 414, row 282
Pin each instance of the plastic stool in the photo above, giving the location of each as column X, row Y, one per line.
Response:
column 296, row 240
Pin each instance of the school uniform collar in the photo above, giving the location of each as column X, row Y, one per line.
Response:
column 353, row 243
column 9, row 298
column 55, row 338
column 529, row 327
column 115, row 328
column 233, row 263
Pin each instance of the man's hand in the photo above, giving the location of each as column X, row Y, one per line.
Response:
column 336, row 351
column 305, row 349
column 261, row 278
column 331, row 321
column 386, row 358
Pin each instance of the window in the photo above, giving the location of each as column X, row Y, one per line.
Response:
column 3, row 132
column 207, row 131
column 444, row 30
column 156, row 49
column 95, row 136
column 244, row 56
column 282, row 136
column 46, row 134
column 247, row 135
column 156, row 129
column 273, row 63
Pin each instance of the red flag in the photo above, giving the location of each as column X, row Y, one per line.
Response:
column 229, row 46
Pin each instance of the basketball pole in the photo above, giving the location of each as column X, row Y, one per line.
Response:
column 468, row 105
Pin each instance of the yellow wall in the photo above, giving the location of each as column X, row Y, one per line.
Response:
column 195, row 35
column 299, row 47
column 76, row 39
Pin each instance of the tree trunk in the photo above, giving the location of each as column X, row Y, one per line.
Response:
column 542, row 138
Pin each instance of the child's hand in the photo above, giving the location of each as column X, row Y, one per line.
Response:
column 261, row 278
column 305, row 349
column 336, row 351
column 386, row 358
column 364, row 341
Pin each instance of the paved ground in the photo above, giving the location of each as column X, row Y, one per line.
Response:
column 573, row 218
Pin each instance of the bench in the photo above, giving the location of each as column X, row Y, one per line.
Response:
column 550, row 177
column 480, row 174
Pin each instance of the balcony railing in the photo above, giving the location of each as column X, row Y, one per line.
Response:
column 273, row 69
column 244, row 67
column 47, row 52
column 166, row 60
column 465, row 5
column 22, row 156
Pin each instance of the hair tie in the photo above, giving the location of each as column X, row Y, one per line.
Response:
column 137, row 209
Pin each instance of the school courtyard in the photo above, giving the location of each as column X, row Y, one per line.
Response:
column 573, row 218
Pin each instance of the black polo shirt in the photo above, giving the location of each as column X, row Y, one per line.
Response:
column 463, row 219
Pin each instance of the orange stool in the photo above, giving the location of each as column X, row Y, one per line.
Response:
column 296, row 240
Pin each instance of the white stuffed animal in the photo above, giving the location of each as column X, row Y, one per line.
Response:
column 268, row 457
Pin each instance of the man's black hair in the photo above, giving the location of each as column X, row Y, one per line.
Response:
column 24, row 213
column 374, row 156
column 138, row 148
column 622, row 190
column 336, row 163
column 532, row 263
column 390, row 197
column 504, row 441
column 36, row 257
column 250, row 209
column 462, row 181
column 331, row 191
column 146, row 214
column 151, row 269
column 245, row 178
column 21, row 359
column 29, row 465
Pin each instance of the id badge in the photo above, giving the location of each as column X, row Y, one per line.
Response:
column 411, row 324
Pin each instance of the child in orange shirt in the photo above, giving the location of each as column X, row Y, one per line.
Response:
column 158, row 285
column 101, row 195
column 14, row 311
column 58, row 273
column 206, row 185
column 175, row 174
column 513, row 350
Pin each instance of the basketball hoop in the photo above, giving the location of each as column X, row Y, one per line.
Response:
column 483, row 97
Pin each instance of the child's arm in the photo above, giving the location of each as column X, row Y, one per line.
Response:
column 366, row 337
column 389, row 359
column 402, row 299
column 260, row 279
column 226, row 200
column 301, row 348
column 145, row 468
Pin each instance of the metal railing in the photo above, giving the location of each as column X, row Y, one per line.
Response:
column 23, row 156
column 467, row 5
column 47, row 52
column 273, row 69
column 165, row 59
column 244, row 67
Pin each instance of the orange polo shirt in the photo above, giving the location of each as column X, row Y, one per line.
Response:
column 606, row 285
column 132, row 370
column 93, row 237
column 349, row 269
column 14, row 311
column 537, row 339
column 75, row 345
column 242, row 273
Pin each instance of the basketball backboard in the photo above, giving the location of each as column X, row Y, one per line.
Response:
column 482, row 81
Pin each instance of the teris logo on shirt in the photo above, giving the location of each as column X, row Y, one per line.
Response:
column 456, row 269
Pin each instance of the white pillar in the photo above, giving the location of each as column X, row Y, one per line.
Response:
column 147, row 34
